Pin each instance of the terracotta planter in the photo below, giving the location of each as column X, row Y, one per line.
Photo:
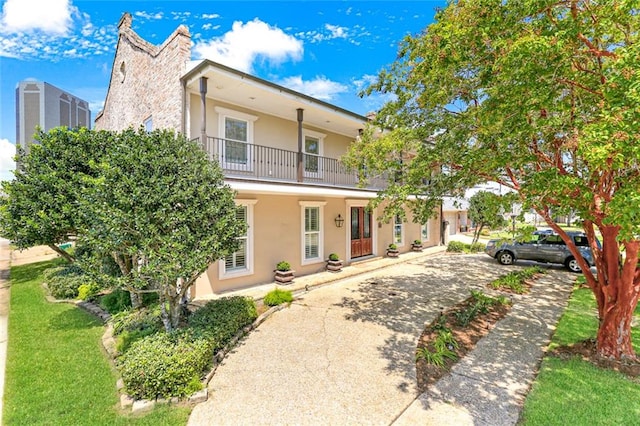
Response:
column 393, row 253
column 416, row 247
column 285, row 277
column 334, row 265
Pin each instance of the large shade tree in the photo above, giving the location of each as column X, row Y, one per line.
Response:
column 162, row 210
column 40, row 203
column 540, row 96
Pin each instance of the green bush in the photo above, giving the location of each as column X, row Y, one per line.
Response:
column 88, row 291
column 223, row 318
column 64, row 281
column 283, row 266
column 477, row 247
column 277, row 297
column 334, row 257
column 116, row 301
column 455, row 246
column 137, row 320
column 165, row 365
column 393, row 247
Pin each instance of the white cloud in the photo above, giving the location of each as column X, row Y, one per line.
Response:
column 210, row 16
column 150, row 16
column 48, row 16
column 7, row 164
column 320, row 88
column 336, row 31
column 246, row 43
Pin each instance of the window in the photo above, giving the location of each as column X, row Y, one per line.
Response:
column 148, row 124
column 236, row 130
column 398, row 231
column 312, row 153
column 424, row 232
column 241, row 262
column 312, row 239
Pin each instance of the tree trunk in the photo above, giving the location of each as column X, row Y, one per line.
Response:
column 476, row 234
column 617, row 296
column 614, row 333
column 136, row 299
column 62, row 253
column 170, row 309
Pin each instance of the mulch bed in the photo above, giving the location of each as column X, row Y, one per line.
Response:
column 466, row 336
column 587, row 351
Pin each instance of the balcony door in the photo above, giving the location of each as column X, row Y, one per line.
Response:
column 361, row 233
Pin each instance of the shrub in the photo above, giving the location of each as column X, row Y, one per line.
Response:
column 283, row 266
column 455, row 246
column 334, row 257
column 165, row 364
column 137, row 320
column 88, row 291
column 393, row 247
column 116, row 301
column 64, row 281
column 477, row 247
column 223, row 318
column 277, row 297
column 417, row 242
column 443, row 347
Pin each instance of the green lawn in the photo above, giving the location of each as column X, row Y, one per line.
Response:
column 57, row 371
column 575, row 392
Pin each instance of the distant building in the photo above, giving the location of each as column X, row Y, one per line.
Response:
column 41, row 104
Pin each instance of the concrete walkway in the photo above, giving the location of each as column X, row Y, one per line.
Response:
column 344, row 353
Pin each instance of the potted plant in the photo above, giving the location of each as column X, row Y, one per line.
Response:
column 334, row 264
column 283, row 271
column 416, row 245
column 392, row 250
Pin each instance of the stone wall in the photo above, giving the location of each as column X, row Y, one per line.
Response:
column 145, row 81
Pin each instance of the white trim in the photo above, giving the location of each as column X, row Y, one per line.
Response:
column 303, row 206
column 222, row 273
column 393, row 232
column 425, row 226
column 223, row 114
column 320, row 137
column 235, row 114
column 297, row 189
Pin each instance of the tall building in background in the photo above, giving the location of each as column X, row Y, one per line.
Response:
column 40, row 104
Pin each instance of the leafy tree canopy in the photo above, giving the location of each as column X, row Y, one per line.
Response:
column 40, row 203
column 541, row 96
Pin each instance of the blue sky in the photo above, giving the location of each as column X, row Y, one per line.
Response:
column 326, row 49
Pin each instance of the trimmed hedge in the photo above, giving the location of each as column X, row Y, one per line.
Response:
column 165, row 364
column 222, row 318
column 460, row 247
column 64, row 281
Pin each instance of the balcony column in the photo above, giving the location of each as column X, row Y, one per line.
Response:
column 203, row 112
column 300, row 167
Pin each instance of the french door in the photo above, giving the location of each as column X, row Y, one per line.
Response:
column 361, row 238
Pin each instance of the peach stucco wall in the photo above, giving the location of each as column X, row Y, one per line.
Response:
column 277, row 235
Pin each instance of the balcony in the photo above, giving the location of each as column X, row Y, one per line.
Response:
column 263, row 163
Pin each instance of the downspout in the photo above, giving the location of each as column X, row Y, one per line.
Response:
column 299, row 166
column 441, row 224
column 203, row 113
column 183, row 122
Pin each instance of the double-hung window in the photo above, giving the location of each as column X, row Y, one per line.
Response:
column 313, row 142
column 424, row 232
column 398, row 231
column 236, row 134
column 312, row 231
column 240, row 262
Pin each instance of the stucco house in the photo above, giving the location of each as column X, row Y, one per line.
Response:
column 279, row 150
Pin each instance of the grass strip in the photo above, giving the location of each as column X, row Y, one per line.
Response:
column 574, row 391
column 57, row 372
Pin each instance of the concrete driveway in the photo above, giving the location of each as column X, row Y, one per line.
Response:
column 343, row 353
